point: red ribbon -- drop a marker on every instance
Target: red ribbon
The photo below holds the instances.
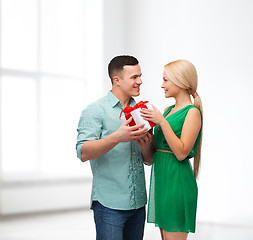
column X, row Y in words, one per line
column 129, row 109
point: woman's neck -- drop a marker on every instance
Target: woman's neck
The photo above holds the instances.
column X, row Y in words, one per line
column 182, row 100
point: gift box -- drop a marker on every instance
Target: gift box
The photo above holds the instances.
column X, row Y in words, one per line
column 135, row 113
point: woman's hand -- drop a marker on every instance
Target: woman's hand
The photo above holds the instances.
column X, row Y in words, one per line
column 146, row 145
column 146, row 141
column 154, row 116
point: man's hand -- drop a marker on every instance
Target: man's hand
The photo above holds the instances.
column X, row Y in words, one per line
column 94, row 149
column 128, row 134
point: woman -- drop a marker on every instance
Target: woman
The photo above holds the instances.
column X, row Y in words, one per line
column 173, row 188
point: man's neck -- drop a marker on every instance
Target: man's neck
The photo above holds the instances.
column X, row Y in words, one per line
column 125, row 100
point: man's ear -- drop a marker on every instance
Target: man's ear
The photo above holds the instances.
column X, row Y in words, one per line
column 116, row 80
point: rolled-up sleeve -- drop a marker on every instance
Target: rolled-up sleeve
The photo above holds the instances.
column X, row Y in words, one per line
column 89, row 127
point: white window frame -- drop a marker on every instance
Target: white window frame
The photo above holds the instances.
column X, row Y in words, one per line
column 95, row 52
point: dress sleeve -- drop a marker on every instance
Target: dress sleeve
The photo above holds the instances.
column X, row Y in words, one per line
column 89, row 127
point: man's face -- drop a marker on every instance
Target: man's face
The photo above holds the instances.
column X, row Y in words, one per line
column 130, row 80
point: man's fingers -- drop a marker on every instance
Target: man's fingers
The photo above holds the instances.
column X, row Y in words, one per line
column 128, row 121
column 136, row 127
column 140, row 132
column 151, row 131
column 140, row 141
column 140, row 138
column 148, row 135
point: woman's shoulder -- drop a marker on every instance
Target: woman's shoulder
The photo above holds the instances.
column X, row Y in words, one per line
column 193, row 110
column 166, row 109
column 193, row 114
column 169, row 107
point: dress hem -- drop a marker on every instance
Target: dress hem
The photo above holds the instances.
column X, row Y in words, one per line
column 157, row 225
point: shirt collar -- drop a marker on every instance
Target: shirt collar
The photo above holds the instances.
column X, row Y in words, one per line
column 114, row 100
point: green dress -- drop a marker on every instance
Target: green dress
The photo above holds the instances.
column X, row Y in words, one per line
column 173, row 188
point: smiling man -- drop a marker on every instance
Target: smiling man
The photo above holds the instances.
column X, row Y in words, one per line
column 118, row 195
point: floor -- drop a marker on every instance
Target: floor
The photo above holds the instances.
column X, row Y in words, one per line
column 78, row 225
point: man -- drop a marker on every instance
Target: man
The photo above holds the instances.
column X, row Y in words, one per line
column 118, row 196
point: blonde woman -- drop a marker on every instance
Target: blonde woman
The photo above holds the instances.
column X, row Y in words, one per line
column 173, row 190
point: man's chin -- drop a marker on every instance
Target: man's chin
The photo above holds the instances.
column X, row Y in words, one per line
column 136, row 94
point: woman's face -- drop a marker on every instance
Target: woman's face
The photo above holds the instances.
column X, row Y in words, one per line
column 170, row 88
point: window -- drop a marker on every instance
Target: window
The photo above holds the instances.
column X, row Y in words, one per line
column 48, row 51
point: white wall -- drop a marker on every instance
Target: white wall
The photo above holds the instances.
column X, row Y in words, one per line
column 217, row 37
column 114, row 33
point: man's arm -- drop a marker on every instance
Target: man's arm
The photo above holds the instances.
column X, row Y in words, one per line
column 96, row 148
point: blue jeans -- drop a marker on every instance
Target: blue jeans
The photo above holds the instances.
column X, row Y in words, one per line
column 118, row 224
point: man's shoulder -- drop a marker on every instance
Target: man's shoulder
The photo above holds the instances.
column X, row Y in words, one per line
column 101, row 103
column 96, row 106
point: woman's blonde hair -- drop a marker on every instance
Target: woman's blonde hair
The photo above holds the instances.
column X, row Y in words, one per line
column 184, row 74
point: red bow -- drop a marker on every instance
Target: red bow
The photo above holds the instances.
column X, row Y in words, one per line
column 129, row 109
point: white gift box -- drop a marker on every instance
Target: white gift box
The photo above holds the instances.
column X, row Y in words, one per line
column 137, row 118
